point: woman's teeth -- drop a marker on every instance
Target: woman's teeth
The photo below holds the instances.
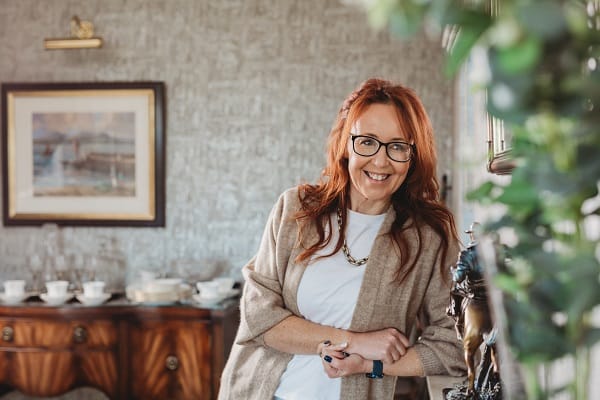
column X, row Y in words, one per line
column 377, row 177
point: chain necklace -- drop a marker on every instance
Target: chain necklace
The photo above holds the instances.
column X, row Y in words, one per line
column 345, row 249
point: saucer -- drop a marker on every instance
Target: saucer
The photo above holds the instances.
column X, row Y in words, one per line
column 93, row 301
column 56, row 300
column 136, row 293
column 208, row 300
column 14, row 299
column 230, row 293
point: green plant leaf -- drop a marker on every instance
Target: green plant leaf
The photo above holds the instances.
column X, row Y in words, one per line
column 542, row 18
column 406, row 19
column 472, row 25
column 520, row 57
column 519, row 195
column 482, row 192
column 591, row 337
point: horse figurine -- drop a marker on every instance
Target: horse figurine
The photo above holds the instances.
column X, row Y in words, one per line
column 469, row 307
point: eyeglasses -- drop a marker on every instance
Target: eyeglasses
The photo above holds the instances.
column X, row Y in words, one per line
column 368, row 146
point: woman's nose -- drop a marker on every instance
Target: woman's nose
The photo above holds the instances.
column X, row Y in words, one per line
column 381, row 158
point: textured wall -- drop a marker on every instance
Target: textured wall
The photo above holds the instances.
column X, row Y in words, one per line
column 252, row 90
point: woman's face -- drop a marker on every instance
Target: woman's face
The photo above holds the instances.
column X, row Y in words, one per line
column 375, row 178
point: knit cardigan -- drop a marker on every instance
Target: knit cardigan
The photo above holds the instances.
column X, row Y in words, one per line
column 272, row 277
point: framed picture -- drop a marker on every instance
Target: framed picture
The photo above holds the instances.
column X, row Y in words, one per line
column 83, row 154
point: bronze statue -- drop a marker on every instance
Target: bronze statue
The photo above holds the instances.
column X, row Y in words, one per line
column 474, row 326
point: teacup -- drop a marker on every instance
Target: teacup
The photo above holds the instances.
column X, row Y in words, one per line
column 163, row 285
column 14, row 288
column 146, row 276
column 225, row 284
column 93, row 289
column 57, row 288
column 208, row 289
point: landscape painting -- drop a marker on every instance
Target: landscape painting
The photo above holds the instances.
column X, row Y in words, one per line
column 83, row 153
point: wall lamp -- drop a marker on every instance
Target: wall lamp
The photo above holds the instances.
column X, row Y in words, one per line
column 82, row 37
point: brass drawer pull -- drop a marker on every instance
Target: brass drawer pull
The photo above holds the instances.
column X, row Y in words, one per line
column 79, row 334
column 172, row 363
column 8, row 334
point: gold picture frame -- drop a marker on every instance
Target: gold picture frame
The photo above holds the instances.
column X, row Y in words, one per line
column 83, row 153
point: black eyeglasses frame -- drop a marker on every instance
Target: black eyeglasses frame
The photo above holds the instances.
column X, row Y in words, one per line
column 384, row 144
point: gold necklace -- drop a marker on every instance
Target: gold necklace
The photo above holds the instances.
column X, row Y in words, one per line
column 345, row 248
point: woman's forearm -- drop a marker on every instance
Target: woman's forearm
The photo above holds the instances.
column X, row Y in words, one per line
column 408, row 365
column 296, row 335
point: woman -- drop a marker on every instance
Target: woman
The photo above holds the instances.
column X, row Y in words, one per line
column 346, row 266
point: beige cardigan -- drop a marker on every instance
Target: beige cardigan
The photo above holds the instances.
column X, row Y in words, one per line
column 272, row 278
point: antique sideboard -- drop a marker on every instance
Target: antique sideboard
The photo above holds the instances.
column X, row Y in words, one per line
column 125, row 350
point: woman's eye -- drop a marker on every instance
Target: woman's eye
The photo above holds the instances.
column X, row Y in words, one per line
column 398, row 146
column 367, row 142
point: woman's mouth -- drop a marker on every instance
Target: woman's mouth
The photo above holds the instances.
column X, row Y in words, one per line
column 377, row 177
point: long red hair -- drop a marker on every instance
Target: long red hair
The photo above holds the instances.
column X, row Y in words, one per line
column 416, row 199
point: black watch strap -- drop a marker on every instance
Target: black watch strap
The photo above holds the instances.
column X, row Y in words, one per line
column 377, row 372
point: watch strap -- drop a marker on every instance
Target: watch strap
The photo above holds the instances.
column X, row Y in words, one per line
column 377, row 372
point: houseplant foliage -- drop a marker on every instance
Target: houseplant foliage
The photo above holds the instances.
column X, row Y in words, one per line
column 544, row 83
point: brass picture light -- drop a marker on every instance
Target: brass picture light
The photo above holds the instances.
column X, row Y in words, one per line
column 82, row 37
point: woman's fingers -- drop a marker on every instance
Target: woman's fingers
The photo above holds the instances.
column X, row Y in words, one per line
column 338, row 367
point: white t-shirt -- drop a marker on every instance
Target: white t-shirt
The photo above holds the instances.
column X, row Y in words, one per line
column 327, row 295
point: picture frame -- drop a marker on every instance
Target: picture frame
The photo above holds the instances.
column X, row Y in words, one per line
column 83, row 153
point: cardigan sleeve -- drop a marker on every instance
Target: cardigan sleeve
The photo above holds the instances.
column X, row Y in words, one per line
column 438, row 347
column 262, row 305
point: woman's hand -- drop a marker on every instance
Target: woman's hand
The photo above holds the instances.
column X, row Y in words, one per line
column 387, row 345
column 338, row 363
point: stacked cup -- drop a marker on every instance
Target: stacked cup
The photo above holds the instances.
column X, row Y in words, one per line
column 14, row 291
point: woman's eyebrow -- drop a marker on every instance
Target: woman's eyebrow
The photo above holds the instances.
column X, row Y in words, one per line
column 376, row 136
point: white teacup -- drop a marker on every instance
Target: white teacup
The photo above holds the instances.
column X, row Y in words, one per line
column 93, row 289
column 163, row 285
column 14, row 288
column 57, row 288
column 225, row 284
column 146, row 276
column 209, row 289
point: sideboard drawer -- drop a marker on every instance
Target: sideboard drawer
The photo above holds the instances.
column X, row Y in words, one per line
column 57, row 334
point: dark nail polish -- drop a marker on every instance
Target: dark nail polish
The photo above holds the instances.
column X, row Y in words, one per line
column 327, row 358
column 345, row 354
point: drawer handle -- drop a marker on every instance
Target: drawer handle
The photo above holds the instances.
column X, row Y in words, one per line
column 172, row 363
column 79, row 334
column 8, row 334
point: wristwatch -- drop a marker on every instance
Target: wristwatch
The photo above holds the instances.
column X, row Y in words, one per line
column 377, row 372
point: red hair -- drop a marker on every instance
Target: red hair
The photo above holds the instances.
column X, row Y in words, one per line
column 418, row 196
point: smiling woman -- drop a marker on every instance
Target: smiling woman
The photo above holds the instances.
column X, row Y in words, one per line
column 346, row 266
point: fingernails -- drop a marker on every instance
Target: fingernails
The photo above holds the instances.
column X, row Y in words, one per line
column 345, row 354
column 327, row 359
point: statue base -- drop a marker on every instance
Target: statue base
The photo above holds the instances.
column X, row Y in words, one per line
column 459, row 392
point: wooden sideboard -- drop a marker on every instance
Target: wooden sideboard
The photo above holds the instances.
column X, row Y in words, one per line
column 126, row 351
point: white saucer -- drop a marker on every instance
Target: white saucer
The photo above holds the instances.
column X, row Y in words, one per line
column 93, row 301
column 56, row 300
column 13, row 299
column 231, row 293
column 208, row 300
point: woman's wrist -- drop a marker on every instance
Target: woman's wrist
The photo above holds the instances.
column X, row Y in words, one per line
column 367, row 366
column 352, row 342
